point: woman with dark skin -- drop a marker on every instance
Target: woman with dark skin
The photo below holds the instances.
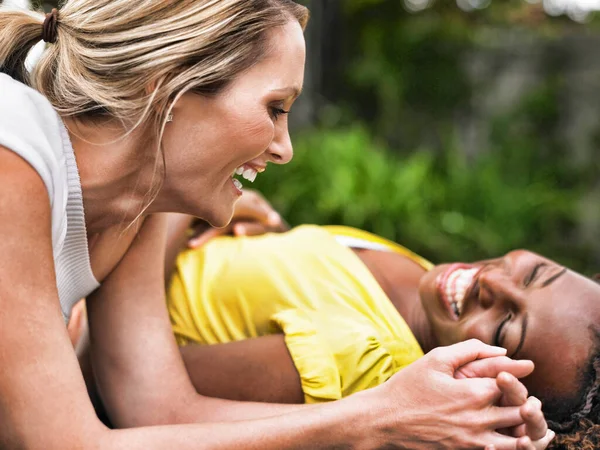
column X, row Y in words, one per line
column 535, row 308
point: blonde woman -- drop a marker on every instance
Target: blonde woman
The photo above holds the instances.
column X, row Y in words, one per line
column 149, row 106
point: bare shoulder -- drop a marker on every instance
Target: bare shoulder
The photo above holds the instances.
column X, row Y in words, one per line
column 35, row 346
column 25, row 227
column 19, row 179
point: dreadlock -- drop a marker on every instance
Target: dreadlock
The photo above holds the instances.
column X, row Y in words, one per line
column 579, row 429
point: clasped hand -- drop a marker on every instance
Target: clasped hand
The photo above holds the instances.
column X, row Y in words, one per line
column 465, row 396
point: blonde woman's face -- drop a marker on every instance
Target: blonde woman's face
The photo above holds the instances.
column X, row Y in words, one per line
column 244, row 127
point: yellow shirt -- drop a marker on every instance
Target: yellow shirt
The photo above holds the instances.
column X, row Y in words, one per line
column 342, row 331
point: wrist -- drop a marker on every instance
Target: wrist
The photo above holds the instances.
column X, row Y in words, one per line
column 374, row 422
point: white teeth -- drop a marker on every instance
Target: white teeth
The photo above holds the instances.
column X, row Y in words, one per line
column 237, row 183
column 250, row 175
column 246, row 172
column 456, row 287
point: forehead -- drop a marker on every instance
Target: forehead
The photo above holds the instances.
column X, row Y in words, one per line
column 559, row 334
column 286, row 39
column 282, row 65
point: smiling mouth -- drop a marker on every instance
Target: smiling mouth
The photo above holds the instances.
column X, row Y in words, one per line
column 247, row 173
column 453, row 284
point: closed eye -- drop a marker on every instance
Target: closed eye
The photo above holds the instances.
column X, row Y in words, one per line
column 276, row 112
column 498, row 337
column 533, row 274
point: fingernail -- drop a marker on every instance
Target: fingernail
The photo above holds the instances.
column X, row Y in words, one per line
column 274, row 219
column 193, row 243
column 490, row 447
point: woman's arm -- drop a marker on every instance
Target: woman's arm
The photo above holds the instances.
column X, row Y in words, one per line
column 257, row 370
column 43, row 400
column 41, row 388
column 139, row 371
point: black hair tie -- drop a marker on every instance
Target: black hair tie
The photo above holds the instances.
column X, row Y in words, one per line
column 50, row 27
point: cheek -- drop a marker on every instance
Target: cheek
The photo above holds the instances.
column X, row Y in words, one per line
column 449, row 333
column 428, row 286
column 255, row 133
column 477, row 329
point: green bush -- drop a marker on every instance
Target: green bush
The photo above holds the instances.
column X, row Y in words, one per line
column 445, row 208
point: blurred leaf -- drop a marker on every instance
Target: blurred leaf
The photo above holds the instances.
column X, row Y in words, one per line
column 446, row 208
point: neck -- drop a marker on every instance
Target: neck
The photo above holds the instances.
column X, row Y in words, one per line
column 115, row 174
column 399, row 278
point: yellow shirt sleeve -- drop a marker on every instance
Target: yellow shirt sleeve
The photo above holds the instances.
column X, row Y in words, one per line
column 338, row 355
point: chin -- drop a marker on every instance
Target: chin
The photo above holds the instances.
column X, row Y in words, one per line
column 219, row 219
column 215, row 210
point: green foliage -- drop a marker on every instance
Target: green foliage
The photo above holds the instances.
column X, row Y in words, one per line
column 406, row 78
column 447, row 209
column 403, row 73
column 406, row 75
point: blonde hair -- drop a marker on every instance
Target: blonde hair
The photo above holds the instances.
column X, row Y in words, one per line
column 108, row 53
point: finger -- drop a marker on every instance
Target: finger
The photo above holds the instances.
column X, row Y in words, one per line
column 514, row 393
column 497, row 441
column 524, row 443
column 197, row 228
column 460, row 354
column 481, row 390
column 261, row 213
column 543, row 443
column 253, row 206
column 203, row 238
column 492, row 367
column 274, row 220
column 518, row 431
column 534, row 419
column 284, row 226
column 249, row 229
column 500, row 417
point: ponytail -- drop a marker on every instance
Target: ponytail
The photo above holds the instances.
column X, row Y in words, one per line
column 19, row 32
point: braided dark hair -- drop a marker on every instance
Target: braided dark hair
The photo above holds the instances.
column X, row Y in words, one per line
column 579, row 428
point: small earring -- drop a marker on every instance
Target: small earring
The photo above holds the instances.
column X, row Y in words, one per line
column 170, row 118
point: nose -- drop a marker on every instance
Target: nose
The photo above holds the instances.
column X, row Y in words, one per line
column 487, row 288
column 497, row 288
column 281, row 151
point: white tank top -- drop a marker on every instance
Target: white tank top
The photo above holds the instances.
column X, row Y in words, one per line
column 30, row 127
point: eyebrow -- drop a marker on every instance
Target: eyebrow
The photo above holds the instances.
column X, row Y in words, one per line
column 523, row 334
column 553, row 278
column 294, row 90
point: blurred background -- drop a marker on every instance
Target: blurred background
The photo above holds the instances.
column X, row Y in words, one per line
column 459, row 128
